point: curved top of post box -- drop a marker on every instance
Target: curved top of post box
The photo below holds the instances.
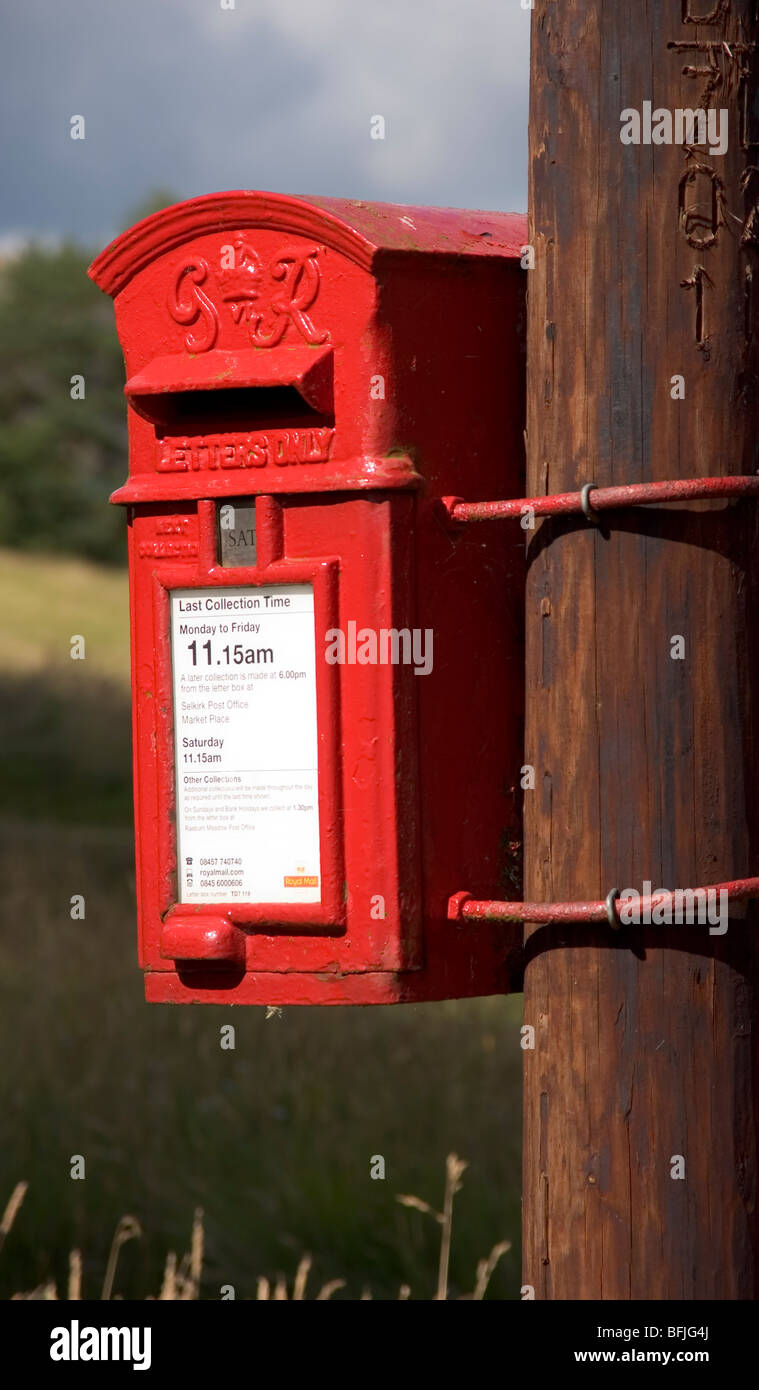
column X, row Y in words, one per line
column 357, row 229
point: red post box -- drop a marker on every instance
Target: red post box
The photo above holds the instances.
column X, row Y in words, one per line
column 327, row 675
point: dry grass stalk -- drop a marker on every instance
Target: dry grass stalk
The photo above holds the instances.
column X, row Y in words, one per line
column 169, row 1286
column 184, row 1278
column 11, row 1211
column 301, row 1276
column 196, row 1252
column 182, row 1281
column 326, row 1291
column 454, row 1167
column 418, row 1205
column 47, row 1292
column 486, row 1268
column 128, row 1229
column 263, row 1287
column 75, row 1275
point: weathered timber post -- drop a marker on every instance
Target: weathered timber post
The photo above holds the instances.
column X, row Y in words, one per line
column 640, row 1160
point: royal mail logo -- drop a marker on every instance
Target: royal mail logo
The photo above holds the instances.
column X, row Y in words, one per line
column 279, row 447
column 270, row 300
column 301, row 881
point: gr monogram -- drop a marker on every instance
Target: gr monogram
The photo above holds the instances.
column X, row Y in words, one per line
column 268, row 301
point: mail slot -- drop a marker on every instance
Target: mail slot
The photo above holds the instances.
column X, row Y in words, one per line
column 327, row 675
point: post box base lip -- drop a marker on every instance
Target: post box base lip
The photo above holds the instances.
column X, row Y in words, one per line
column 289, row 988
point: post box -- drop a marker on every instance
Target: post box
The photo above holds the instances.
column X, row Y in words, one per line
column 327, row 675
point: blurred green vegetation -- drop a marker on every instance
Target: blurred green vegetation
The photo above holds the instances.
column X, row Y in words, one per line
column 61, row 456
column 49, row 600
column 66, row 724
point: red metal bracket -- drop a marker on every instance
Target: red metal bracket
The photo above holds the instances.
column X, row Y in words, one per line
column 463, row 907
column 603, row 498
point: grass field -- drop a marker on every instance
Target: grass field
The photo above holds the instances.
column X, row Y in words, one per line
column 47, row 602
column 65, row 724
column 274, row 1139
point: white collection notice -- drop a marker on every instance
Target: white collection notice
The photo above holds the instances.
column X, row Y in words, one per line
column 245, row 744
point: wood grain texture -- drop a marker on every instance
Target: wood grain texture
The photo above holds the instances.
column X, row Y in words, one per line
column 646, row 767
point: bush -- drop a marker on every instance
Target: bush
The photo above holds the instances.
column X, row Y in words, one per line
column 60, row 458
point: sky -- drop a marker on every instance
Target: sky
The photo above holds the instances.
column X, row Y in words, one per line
column 192, row 96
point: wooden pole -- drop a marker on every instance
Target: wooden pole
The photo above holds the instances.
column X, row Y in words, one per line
column 640, row 1158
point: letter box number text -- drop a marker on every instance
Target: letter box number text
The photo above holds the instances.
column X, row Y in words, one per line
column 245, row 744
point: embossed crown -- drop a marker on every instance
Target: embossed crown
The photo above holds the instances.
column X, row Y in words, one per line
column 241, row 283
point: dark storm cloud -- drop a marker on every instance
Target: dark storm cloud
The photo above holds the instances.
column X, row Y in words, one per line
column 183, row 95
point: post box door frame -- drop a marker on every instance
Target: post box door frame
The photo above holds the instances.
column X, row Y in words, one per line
column 327, row 917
